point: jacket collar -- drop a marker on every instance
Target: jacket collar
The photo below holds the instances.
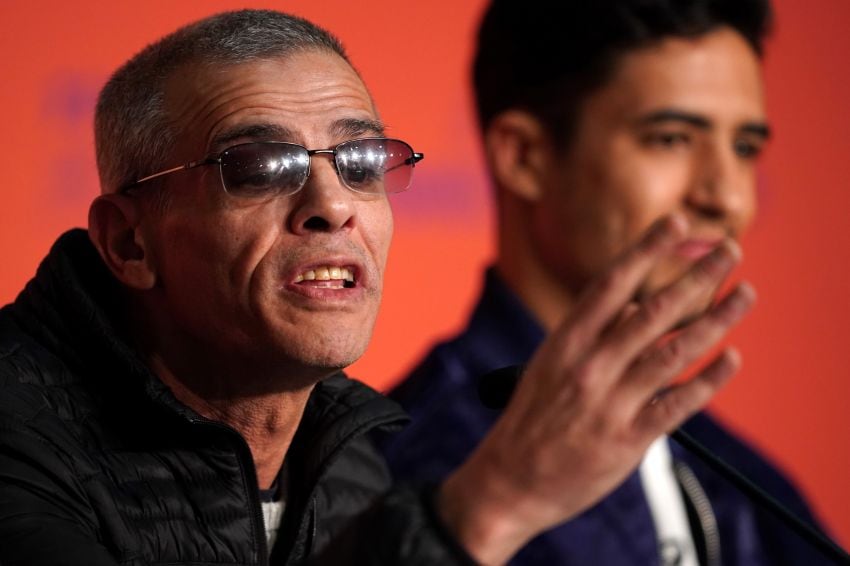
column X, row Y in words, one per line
column 72, row 307
column 501, row 331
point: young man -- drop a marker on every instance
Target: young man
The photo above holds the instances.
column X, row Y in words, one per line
column 599, row 118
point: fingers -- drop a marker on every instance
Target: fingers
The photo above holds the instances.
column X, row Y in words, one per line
column 601, row 340
column 604, row 300
column 655, row 370
column 661, row 312
column 678, row 403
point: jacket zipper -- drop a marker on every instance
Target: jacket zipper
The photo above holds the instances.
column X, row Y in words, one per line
column 704, row 513
column 311, row 513
column 249, row 476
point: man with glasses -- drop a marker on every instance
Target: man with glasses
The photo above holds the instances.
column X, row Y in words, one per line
column 171, row 386
column 599, row 118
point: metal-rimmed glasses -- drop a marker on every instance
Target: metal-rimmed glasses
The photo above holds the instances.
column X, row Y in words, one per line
column 372, row 166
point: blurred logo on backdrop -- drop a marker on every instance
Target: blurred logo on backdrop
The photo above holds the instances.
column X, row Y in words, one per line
column 67, row 108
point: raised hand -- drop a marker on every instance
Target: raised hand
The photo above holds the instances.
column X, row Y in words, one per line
column 594, row 396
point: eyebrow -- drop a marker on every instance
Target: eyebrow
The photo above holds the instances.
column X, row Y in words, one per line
column 757, row 128
column 344, row 128
column 355, row 127
column 255, row 132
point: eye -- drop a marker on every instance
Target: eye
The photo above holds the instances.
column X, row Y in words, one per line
column 747, row 149
column 257, row 169
column 258, row 182
column 362, row 167
column 250, row 177
column 358, row 174
column 666, row 139
column 249, row 181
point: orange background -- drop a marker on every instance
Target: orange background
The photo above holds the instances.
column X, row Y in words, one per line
column 791, row 397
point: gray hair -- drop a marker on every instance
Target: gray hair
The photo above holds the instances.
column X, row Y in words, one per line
column 133, row 136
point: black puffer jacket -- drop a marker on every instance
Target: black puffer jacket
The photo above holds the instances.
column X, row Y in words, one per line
column 100, row 464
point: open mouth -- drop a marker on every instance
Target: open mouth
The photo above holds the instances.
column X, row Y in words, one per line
column 327, row 277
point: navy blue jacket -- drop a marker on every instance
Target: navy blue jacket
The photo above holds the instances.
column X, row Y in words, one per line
column 449, row 421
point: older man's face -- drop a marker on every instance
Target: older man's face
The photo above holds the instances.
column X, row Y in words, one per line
column 677, row 128
column 229, row 269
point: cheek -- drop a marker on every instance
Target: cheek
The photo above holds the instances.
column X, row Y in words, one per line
column 603, row 207
column 753, row 192
column 218, row 259
column 644, row 187
column 603, row 204
column 377, row 228
column 654, row 196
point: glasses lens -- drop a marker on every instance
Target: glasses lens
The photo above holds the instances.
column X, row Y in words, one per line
column 375, row 165
column 262, row 169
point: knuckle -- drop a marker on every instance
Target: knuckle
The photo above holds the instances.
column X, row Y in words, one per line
column 727, row 313
column 721, row 317
column 703, row 272
column 653, row 309
column 681, row 404
column 672, row 410
column 584, row 376
column 670, row 356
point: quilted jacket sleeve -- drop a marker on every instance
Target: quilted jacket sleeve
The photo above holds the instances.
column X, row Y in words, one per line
column 42, row 517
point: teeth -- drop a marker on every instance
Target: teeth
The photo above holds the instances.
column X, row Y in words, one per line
column 329, row 273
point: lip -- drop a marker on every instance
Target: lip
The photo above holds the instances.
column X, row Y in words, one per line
column 696, row 248
column 325, row 294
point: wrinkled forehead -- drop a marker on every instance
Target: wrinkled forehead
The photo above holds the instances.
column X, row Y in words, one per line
column 302, row 93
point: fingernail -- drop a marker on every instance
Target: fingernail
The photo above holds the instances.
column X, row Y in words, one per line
column 747, row 289
column 727, row 254
column 734, row 249
column 745, row 295
column 738, row 302
column 733, row 357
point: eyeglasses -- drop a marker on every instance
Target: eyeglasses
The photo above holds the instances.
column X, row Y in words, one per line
column 373, row 166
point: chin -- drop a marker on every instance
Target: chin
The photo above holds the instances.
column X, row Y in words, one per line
column 316, row 345
column 327, row 353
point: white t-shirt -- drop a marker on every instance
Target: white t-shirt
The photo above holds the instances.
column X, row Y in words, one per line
column 272, row 516
column 669, row 514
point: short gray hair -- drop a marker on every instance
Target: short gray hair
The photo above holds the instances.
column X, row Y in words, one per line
column 133, row 136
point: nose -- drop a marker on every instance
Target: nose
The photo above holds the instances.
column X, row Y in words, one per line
column 723, row 186
column 323, row 204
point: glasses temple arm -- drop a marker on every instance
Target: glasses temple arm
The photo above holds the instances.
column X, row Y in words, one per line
column 190, row 165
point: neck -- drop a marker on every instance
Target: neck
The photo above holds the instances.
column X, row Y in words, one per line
column 267, row 422
column 524, row 271
column 262, row 398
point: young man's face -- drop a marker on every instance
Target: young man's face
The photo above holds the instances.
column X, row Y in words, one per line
column 678, row 127
column 233, row 271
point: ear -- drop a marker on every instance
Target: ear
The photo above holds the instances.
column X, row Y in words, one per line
column 518, row 150
column 115, row 230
